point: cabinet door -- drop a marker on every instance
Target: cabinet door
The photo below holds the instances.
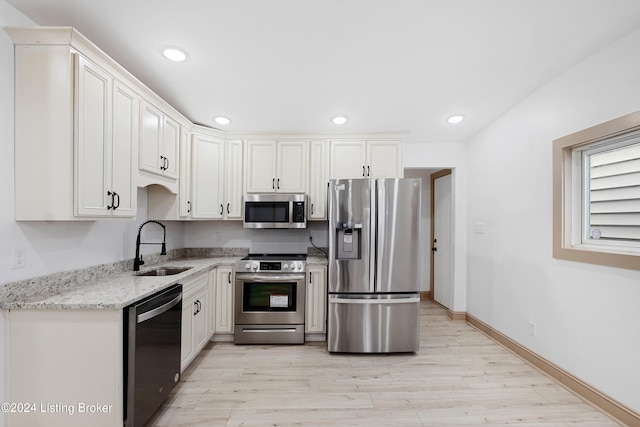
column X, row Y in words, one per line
column 199, row 324
column 224, row 300
column 316, row 300
column 261, row 167
column 348, row 159
column 207, row 175
column 318, row 180
column 211, row 311
column 384, row 159
column 151, row 138
column 170, row 146
column 93, row 146
column 186, row 341
column 233, row 194
column 124, row 142
column 291, row 163
column 185, row 204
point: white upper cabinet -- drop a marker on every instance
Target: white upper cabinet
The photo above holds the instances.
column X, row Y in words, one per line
column 348, row 159
column 106, row 137
column 207, row 177
column 276, row 166
column 384, row 159
column 318, row 180
column 210, row 184
column 159, row 142
column 366, row 159
column 185, row 206
column 233, row 178
column 124, row 144
column 292, row 167
column 83, row 148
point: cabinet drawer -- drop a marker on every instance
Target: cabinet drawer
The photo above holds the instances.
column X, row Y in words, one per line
column 192, row 286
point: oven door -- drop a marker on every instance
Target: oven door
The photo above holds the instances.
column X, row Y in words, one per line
column 269, row 299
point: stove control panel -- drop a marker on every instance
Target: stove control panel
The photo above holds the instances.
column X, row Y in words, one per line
column 284, row 266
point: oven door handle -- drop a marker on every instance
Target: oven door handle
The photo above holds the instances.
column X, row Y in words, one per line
column 269, row 277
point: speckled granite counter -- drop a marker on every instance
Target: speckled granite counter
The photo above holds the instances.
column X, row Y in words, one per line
column 115, row 286
column 110, row 286
column 119, row 290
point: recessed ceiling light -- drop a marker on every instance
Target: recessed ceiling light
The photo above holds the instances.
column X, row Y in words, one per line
column 222, row 120
column 339, row 120
column 455, row 119
column 174, row 54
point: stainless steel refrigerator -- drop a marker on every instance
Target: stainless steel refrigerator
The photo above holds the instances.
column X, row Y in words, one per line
column 374, row 265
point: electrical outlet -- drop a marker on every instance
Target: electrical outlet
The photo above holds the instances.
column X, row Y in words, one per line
column 312, row 236
column 217, row 236
column 532, row 329
column 19, row 256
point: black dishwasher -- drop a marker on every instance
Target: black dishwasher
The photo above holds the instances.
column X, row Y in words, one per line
column 152, row 334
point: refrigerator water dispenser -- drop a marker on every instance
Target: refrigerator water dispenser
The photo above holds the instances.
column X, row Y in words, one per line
column 348, row 240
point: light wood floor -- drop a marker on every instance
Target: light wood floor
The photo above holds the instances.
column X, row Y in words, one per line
column 459, row 377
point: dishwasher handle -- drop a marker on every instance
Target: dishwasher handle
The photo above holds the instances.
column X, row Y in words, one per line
column 155, row 312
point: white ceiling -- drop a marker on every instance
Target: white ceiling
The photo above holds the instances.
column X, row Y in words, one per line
column 290, row 65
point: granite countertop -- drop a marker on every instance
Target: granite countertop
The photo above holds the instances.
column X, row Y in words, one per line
column 118, row 290
column 113, row 287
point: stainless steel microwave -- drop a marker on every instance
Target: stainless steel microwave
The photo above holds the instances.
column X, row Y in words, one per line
column 275, row 211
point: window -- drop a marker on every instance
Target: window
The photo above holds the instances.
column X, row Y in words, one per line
column 596, row 194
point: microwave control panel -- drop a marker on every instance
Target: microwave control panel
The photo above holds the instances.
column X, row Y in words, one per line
column 298, row 212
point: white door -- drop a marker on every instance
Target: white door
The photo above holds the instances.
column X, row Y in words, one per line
column 384, row 159
column 291, row 176
column 93, row 155
column 150, row 139
column 347, row 159
column 441, row 243
column 261, row 167
column 233, row 180
column 207, row 172
column 125, row 141
column 318, row 180
column 170, row 146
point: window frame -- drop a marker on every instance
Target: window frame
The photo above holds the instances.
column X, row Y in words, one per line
column 567, row 195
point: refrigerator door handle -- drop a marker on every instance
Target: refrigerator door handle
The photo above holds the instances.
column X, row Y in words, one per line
column 373, row 232
column 339, row 300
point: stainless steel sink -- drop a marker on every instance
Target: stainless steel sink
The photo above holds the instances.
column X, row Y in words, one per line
column 163, row 271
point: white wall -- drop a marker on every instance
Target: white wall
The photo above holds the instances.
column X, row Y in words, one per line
column 587, row 316
column 454, row 156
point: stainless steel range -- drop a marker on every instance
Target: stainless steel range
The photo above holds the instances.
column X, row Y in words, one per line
column 270, row 298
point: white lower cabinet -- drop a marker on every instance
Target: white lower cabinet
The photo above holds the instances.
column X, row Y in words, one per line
column 315, row 310
column 66, row 358
column 224, row 301
column 195, row 307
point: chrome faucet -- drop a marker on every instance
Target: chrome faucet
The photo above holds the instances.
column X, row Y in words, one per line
column 137, row 261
